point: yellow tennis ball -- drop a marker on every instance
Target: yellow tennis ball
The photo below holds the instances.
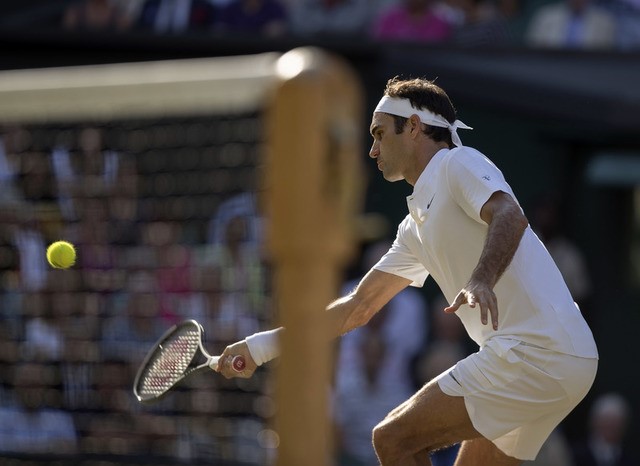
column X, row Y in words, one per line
column 61, row 255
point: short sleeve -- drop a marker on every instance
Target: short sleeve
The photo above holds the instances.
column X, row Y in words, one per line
column 472, row 178
column 399, row 260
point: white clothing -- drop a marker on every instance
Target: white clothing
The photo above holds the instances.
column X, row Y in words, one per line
column 518, row 397
column 34, row 432
column 556, row 26
column 32, row 251
column 443, row 236
column 41, row 338
column 540, row 363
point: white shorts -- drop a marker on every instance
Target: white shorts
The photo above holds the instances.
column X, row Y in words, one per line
column 516, row 393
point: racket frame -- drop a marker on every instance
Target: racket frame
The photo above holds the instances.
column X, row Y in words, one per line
column 238, row 362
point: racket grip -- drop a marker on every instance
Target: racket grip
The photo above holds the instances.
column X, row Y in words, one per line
column 238, row 363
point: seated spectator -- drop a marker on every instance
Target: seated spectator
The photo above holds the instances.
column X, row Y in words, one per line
column 608, row 421
column 28, row 240
column 627, row 14
column 571, row 24
column 35, row 178
column 240, row 205
column 265, row 17
column 176, row 16
column 412, row 20
column 487, row 23
column 97, row 15
column 333, row 17
column 34, row 423
column 234, row 297
column 130, row 333
column 115, row 429
column 363, row 401
column 570, row 259
column 240, row 282
column 402, row 324
column 555, row 451
column 43, row 338
column 89, row 172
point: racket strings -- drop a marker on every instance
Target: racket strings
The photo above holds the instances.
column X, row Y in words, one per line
column 170, row 362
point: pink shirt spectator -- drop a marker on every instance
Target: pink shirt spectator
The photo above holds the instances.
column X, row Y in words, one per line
column 398, row 23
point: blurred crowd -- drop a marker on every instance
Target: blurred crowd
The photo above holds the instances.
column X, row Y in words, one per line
column 571, row 24
column 165, row 222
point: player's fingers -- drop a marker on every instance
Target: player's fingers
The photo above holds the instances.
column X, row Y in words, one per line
column 489, row 306
column 455, row 305
column 225, row 366
column 484, row 311
column 494, row 312
column 218, row 367
column 224, row 363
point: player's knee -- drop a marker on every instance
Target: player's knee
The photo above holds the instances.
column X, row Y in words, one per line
column 392, row 442
column 380, row 439
column 386, row 442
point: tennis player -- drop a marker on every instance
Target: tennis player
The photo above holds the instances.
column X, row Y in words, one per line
column 537, row 357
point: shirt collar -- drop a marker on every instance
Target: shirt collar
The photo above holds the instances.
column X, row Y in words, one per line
column 429, row 170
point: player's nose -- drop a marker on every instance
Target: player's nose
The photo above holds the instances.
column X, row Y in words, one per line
column 375, row 150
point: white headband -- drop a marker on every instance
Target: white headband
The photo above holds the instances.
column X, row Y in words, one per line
column 403, row 108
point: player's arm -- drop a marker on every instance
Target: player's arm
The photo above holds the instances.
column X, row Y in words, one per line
column 507, row 224
column 344, row 314
column 356, row 308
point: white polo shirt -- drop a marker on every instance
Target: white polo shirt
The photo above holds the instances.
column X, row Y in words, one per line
column 443, row 236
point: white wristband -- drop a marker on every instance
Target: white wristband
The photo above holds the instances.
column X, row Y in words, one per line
column 263, row 346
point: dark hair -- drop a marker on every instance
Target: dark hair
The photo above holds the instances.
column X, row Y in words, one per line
column 424, row 95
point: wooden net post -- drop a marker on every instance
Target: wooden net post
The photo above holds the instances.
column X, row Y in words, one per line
column 315, row 186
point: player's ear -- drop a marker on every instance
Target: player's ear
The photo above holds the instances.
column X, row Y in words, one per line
column 415, row 125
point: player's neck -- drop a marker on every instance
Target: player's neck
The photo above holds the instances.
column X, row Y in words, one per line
column 422, row 158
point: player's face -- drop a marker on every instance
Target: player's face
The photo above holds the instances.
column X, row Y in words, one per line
column 388, row 149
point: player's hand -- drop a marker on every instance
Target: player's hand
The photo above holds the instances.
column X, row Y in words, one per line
column 481, row 294
column 225, row 362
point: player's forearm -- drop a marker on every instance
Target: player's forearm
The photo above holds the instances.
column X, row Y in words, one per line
column 503, row 238
column 346, row 314
column 358, row 307
column 265, row 346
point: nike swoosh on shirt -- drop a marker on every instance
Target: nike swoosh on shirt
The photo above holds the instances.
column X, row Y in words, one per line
column 429, row 204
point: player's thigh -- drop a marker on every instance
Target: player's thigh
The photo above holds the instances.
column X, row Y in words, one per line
column 430, row 419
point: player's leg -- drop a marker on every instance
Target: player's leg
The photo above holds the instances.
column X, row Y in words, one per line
column 481, row 452
column 427, row 421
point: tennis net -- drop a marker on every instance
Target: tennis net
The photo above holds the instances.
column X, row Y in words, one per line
column 174, row 181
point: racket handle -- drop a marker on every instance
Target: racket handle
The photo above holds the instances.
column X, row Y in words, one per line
column 213, row 362
column 238, row 363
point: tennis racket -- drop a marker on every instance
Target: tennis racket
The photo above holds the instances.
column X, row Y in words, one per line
column 172, row 359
